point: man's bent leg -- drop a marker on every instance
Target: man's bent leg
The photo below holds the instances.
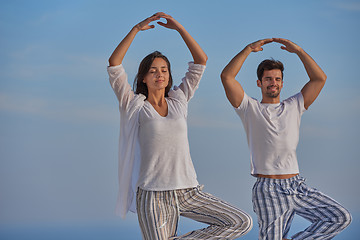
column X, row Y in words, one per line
column 327, row 216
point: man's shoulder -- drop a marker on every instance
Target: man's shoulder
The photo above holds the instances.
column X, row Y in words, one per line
column 294, row 98
column 250, row 99
column 247, row 101
column 296, row 102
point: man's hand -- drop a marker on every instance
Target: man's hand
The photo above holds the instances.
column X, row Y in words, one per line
column 288, row 45
column 317, row 77
column 233, row 89
column 257, row 46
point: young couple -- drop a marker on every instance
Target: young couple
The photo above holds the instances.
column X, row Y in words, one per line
column 157, row 178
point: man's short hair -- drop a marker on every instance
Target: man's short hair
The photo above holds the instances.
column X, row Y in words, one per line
column 269, row 64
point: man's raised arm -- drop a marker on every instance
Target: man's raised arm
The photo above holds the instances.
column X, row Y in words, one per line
column 312, row 89
column 233, row 89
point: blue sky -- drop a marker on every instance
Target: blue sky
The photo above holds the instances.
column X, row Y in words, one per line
column 59, row 118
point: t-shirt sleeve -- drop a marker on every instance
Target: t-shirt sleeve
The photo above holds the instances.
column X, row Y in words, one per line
column 297, row 101
column 301, row 103
column 243, row 105
column 190, row 82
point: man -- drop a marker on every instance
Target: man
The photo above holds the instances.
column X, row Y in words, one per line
column 272, row 129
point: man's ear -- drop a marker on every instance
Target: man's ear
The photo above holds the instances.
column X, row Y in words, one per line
column 259, row 83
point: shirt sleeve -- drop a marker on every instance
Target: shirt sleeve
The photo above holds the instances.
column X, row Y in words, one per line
column 301, row 103
column 297, row 101
column 243, row 105
column 119, row 83
column 191, row 80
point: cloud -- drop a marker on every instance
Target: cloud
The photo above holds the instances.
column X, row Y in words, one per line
column 44, row 62
column 67, row 111
column 16, row 104
column 349, row 6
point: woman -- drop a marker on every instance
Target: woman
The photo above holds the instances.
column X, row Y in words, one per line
column 154, row 156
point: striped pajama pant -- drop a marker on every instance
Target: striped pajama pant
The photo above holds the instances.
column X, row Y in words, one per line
column 276, row 201
column 159, row 213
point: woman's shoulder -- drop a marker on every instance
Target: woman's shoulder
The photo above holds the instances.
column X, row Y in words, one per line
column 177, row 94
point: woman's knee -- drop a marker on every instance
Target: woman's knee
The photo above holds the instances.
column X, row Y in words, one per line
column 244, row 223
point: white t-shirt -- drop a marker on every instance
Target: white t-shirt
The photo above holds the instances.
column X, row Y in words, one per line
column 165, row 155
column 272, row 133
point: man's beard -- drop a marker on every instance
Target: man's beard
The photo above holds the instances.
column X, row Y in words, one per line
column 273, row 94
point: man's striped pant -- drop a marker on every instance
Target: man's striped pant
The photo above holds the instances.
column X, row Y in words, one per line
column 276, row 201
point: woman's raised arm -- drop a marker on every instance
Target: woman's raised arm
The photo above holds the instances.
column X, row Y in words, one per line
column 197, row 53
column 117, row 56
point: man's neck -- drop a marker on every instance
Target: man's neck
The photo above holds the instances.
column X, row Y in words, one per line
column 271, row 100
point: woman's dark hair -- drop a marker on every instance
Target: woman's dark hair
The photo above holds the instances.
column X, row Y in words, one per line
column 269, row 64
column 144, row 67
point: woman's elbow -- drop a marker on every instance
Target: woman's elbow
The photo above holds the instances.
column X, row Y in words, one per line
column 202, row 60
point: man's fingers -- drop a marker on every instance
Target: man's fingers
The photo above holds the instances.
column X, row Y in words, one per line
column 267, row 40
column 279, row 39
column 282, row 41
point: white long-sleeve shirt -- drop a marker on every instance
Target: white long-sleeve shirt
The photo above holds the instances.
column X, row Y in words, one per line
column 131, row 107
column 165, row 155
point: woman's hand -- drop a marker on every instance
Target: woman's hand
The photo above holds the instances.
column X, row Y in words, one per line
column 118, row 55
column 144, row 25
column 171, row 23
column 197, row 53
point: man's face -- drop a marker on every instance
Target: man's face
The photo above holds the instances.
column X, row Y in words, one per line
column 271, row 83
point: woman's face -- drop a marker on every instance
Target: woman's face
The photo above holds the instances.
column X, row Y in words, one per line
column 157, row 77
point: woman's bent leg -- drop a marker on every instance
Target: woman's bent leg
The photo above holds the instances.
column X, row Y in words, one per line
column 225, row 220
column 157, row 214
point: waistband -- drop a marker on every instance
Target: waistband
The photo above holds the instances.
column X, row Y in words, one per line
column 198, row 187
column 280, row 181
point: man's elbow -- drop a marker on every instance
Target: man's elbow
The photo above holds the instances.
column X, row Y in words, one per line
column 224, row 76
column 324, row 78
column 320, row 79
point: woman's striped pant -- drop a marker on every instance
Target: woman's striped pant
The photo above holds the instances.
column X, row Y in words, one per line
column 276, row 201
column 159, row 212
